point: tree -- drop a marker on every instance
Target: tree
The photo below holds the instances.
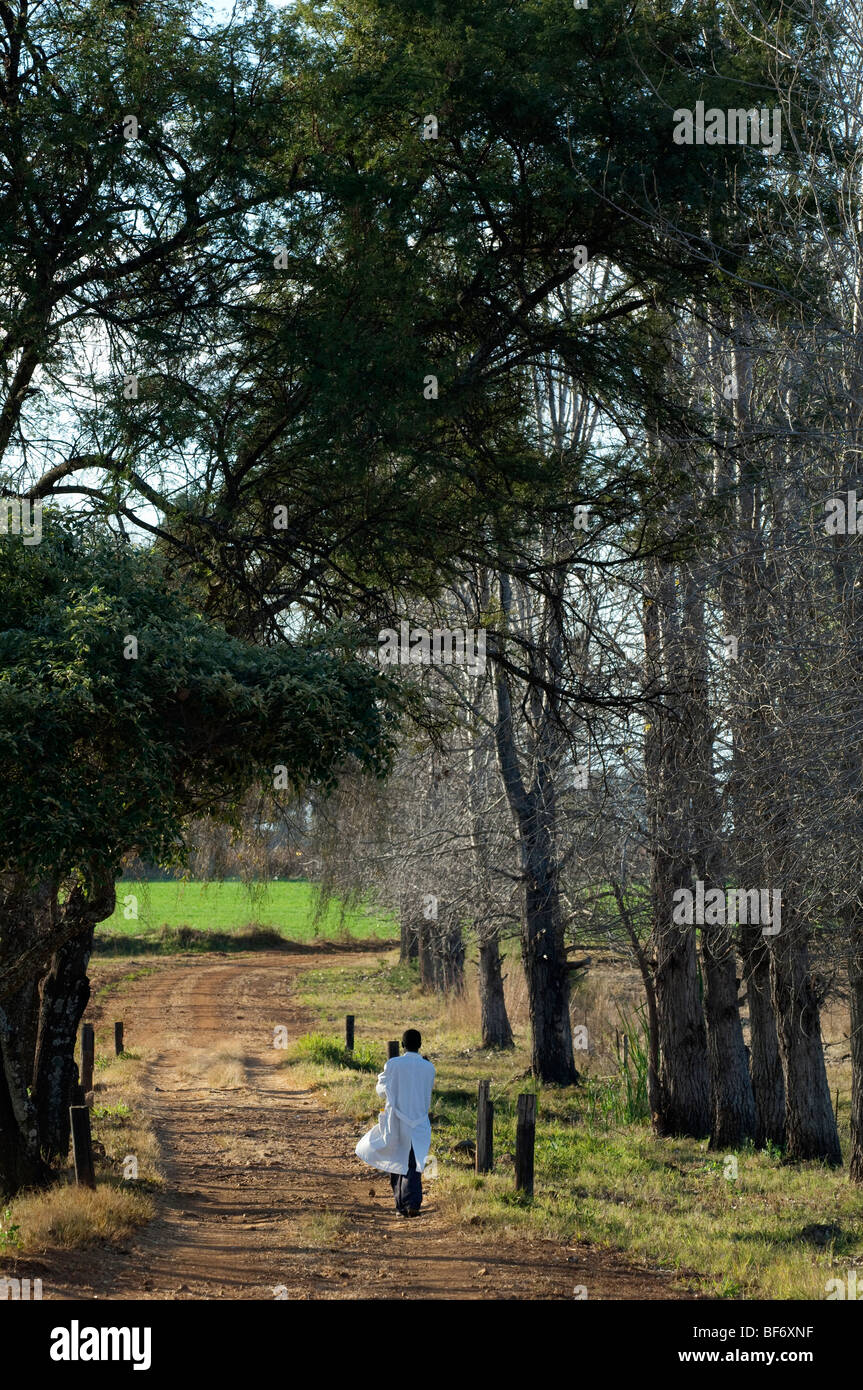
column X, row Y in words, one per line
column 122, row 714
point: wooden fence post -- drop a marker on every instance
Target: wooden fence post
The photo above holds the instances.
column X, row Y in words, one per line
column 392, row 1049
column 118, row 1038
column 525, row 1135
column 82, row 1145
column 484, row 1130
column 88, row 1056
column 349, row 1033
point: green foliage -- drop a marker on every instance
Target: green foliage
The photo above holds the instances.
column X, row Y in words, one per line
column 119, row 1112
column 10, row 1233
column 104, row 754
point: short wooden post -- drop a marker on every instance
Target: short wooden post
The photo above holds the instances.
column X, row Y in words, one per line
column 484, row 1130
column 392, row 1048
column 525, row 1135
column 118, row 1039
column 82, row 1146
column 88, row 1056
column 349, row 1032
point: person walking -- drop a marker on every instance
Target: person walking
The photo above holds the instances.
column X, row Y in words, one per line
column 400, row 1141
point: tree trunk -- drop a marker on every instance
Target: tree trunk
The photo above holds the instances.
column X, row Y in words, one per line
column 25, row 918
column 545, row 965
column 732, row 1100
column 684, row 1085
column 684, row 1079
column 64, row 995
column 543, row 948
column 408, row 937
column 449, row 943
column 765, row 1063
column 496, row 1030
column 38, row 1028
column 425, row 954
column 810, row 1123
column 20, row 1164
column 855, row 978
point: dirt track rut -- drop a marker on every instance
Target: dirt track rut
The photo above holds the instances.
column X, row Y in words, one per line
column 249, row 1159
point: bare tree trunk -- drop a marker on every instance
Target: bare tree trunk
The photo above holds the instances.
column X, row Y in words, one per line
column 765, row 1063
column 810, row 1125
column 496, row 1030
column 425, row 954
column 542, row 937
column 684, row 1079
column 684, row 1090
column 855, row 976
column 451, row 952
column 733, row 1103
column 408, row 936
column 545, row 965
column 731, row 1098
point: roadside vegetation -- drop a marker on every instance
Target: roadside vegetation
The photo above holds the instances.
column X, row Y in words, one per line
column 774, row 1231
column 68, row 1217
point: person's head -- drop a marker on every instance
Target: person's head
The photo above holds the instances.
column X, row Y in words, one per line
column 411, row 1040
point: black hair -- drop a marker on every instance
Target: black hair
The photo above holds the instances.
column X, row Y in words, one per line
column 411, row 1040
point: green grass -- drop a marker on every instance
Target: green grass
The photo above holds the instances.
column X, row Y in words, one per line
column 169, row 915
column 776, row 1231
column 329, row 1052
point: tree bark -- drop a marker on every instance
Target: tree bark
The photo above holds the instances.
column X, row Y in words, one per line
column 425, row 954
column 545, row 966
column 496, row 1030
column 65, row 992
column 732, row 1100
column 543, row 947
column 449, row 949
column 855, row 976
column 408, row 937
column 810, row 1124
column 684, row 1083
column 765, row 1063
column 38, row 1026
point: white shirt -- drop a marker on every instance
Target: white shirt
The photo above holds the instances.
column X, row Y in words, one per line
column 406, row 1084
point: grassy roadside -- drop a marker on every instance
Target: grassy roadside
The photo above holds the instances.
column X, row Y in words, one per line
column 126, row 1162
column 773, row 1231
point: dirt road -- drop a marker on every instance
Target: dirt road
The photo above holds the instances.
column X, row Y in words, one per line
column 265, row 1197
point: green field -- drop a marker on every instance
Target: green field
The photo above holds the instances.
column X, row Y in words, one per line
column 289, row 908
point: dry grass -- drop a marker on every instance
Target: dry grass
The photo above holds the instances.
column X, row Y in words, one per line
column 118, row 1121
column 319, row 1230
column 219, row 1069
column 69, row 1217
column 776, row 1231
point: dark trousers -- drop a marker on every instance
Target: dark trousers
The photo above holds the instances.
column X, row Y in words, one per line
column 408, row 1187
